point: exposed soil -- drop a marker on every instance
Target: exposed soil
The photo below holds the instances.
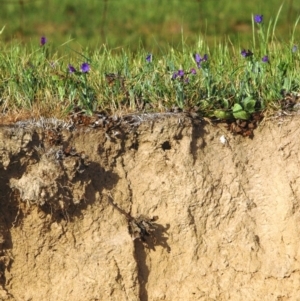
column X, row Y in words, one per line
column 153, row 208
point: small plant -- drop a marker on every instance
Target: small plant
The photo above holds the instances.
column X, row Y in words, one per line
column 78, row 81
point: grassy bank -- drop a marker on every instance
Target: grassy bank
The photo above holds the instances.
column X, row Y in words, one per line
column 224, row 82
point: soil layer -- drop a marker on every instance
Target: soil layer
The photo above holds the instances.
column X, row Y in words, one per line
column 166, row 208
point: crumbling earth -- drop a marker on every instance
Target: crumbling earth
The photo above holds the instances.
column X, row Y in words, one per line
column 150, row 208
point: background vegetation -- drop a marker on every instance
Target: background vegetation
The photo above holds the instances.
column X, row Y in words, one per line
column 156, row 24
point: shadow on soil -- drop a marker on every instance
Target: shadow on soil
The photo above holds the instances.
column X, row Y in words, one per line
column 13, row 209
column 141, row 252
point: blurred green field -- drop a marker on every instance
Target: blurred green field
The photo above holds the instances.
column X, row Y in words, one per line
column 152, row 24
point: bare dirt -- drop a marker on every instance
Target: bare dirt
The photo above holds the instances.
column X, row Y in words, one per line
column 159, row 210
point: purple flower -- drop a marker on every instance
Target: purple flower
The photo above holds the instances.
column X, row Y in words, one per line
column 193, row 71
column 85, row 67
column 258, row 19
column 179, row 73
column 43, row 41
column 265, row 59
column 149, row 58
column 294, row 48
column 199, row 59
column 246, row 53
column 71, row 69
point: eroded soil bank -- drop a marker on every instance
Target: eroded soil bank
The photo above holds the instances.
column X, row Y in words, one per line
column 71, row 202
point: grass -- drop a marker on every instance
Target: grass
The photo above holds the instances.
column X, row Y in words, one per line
column 220, row 82
column 156, row 24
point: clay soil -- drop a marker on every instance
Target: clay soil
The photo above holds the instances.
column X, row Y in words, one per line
column 158, row 209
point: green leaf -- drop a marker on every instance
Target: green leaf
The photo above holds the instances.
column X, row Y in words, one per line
column 239, row 113
column 220, row 114
column 249, row 104
column 237, row 107
column 226, row 103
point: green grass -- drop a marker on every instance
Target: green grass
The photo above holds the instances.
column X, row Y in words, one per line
column 156, row 24
column 36, row 79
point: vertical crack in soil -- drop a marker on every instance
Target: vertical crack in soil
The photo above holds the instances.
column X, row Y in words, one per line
column 145, row 234
column 140, row 257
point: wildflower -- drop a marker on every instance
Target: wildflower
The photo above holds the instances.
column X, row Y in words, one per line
column 258, row 19
column 265, row 59
column 85, row 67
column 71, row 69
column 149, row 58
column 246, row 53
column 199, row 59
column 294, row 48
column 43, row 41
column 179, row 73
column 193, row 71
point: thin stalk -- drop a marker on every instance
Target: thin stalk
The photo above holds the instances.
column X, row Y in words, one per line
column 293, row 32
column 275, row 23
column 253, row 32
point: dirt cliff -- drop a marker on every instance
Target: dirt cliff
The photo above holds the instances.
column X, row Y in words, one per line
column 153, row 208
